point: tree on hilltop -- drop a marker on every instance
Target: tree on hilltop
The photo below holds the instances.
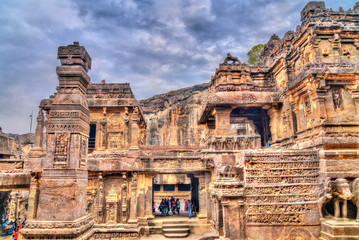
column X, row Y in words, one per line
column 254, row 53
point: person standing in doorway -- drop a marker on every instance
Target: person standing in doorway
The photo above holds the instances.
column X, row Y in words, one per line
column 189, row 206
column 163, row 207
column 178, row 206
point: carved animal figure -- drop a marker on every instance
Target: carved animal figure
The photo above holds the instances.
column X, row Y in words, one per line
column 341, row 193
column 231, row 58
column 325, row 197
column 355, row 191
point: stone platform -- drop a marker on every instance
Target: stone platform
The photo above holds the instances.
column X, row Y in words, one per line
column 339, row 230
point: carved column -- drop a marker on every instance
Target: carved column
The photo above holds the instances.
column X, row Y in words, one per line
column 148, row 196
column 13, row 205
column 33, row 198
column 101, row 197
column 134, row 129
column 274, row 119
column 202, row 197
column 226, row 214
column 124, row 199
column 39, row 129
column 222, row 116
column 355, row 94
column 208, row 195
column 242, row 222
column 141, row 185
column 133, row 204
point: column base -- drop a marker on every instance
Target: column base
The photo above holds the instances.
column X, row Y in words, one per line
column 58, row 229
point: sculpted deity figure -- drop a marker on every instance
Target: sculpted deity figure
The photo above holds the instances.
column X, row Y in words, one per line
column 337, row 99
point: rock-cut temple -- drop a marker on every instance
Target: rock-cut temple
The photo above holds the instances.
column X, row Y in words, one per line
column 264, row 152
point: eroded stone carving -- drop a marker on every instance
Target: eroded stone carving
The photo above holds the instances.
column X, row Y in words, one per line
column 341, row 194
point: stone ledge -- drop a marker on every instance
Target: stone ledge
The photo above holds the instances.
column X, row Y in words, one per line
column 58, row 228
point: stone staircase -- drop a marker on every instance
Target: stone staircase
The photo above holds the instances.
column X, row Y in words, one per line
column 339, row 230
column 178, row 229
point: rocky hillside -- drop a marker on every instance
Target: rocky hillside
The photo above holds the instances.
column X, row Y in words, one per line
column 15, row 145
column 172, row 117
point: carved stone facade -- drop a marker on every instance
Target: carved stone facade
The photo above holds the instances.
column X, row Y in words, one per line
column 269, row 151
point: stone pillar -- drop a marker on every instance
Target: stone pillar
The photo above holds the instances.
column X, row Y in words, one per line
column 64, row 175
column 202, row 197
column 13, row 206
column 208, row 195
column 355, row 94
column 39, row 132
column 134, row 129
column 274, row 119
column 101, row 198
column 141, row 185
column 133, row 204
column 222, row 116
column 226, row 214
column 148, row 196
column 124, row 199
column 33, row 198
column 242, row 222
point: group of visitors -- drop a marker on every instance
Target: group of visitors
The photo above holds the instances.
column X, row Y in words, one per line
column 172, row 205
column 12, row 227
column 167, row 205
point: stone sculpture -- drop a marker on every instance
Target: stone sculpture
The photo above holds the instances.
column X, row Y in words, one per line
column 355, row 199
column 341, row 194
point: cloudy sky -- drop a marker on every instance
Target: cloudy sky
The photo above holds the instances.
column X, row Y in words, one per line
column 155, row 45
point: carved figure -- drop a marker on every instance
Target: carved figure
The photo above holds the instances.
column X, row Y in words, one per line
column 355, row 191
column 231, row 58
column 337, row 99
column 325, row 197
column 341, row 193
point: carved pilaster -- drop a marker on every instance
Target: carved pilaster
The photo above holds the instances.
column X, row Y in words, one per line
column 133, row 204
column 101, row 197
column 39, row 129
column 33, row 198
column 134, row 129
column 226, row 214
column 124, row 198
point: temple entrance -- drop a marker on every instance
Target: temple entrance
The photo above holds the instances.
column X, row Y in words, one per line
column 251, row 121
column 183, row 187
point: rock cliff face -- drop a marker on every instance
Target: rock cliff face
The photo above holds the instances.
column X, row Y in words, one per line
column 172, row 117
column 15, row 145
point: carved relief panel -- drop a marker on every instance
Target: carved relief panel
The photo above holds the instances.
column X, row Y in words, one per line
column 282, row 188
column 61, row 153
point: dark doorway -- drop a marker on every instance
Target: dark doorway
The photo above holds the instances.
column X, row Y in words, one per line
column 179, row 186
column 250, row 121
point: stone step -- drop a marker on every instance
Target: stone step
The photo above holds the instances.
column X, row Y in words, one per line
column 327, row 236
column 174, row 230
column 176, row 235
column 175, row 226
column 339, row 229
column 169, row 222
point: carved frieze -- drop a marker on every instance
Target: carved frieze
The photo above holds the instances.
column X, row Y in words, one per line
column 282, row 188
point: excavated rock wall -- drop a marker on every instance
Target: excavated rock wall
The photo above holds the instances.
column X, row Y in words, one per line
column 172, row 118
